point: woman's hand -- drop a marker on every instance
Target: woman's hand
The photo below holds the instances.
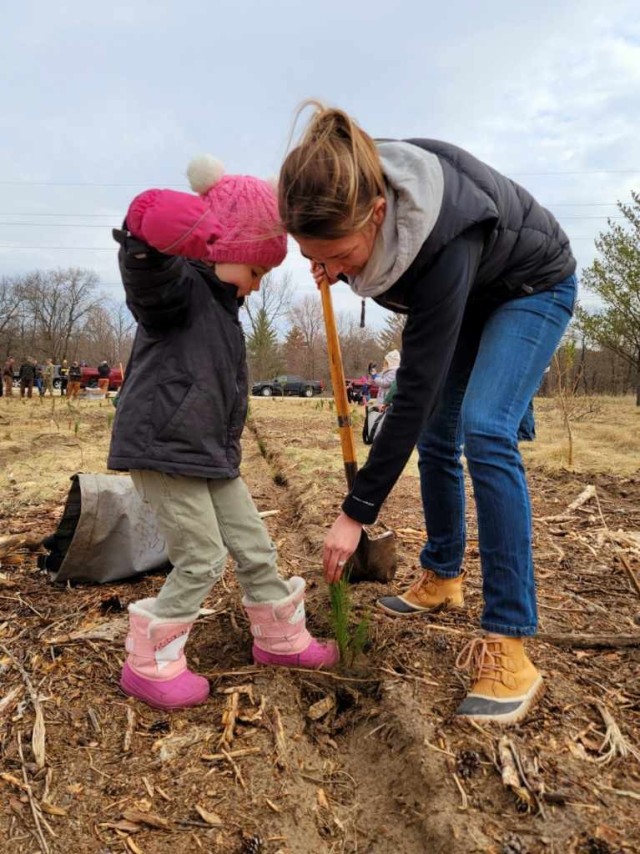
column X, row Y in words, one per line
column 319, row 273
column 340, row 543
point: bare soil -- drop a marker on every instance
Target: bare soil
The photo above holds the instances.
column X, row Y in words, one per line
column 386, row 769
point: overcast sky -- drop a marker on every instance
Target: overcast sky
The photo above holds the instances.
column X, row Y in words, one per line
column 103, row 100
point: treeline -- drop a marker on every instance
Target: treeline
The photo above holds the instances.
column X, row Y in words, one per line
column 60, row 314
column 579, row 370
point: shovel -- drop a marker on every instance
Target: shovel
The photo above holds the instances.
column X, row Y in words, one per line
column 375, row 558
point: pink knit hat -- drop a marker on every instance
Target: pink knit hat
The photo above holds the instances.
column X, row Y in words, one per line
column 233, row 220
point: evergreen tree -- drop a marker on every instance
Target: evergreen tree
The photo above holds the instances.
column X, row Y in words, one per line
column 263, row 350
column 615, row 278
column 390, row 336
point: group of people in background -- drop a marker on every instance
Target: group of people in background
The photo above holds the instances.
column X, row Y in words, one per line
column 32, row 375
column 377, row 387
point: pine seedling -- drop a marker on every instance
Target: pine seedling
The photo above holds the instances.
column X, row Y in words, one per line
column 351, row 640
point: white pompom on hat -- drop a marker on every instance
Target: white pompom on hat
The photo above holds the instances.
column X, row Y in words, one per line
column 204, row 172
column 248, row 228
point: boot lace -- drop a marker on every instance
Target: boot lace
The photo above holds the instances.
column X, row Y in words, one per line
column 426, row 582
column 480, row 661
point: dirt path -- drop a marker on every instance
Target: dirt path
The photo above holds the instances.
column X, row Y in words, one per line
column 386, row 769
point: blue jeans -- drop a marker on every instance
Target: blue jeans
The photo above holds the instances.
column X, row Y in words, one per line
column 498, row 365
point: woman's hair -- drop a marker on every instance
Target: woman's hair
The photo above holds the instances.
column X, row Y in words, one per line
column 329, row 182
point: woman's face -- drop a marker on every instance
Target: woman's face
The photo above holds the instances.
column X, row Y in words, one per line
column 348, row 255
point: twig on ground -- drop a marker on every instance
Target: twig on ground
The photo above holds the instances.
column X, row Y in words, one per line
column 281, row 744
column 587, row 494
column 131, row 725
column 465, row 800
column 38, row 735
column 229, row 716
column 236, row 769
column 615, row 743
column 509, row 772
column 34, row 810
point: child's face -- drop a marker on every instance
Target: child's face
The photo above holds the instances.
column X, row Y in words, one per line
column 246, row 277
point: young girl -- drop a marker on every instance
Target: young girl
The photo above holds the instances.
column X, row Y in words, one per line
column 486, row 278
column 385, row 379
column 180, row 415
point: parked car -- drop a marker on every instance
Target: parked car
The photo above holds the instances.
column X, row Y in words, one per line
column 90, row 378
column 287, row 385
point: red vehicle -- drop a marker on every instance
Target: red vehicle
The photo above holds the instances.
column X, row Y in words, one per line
column 90, row 378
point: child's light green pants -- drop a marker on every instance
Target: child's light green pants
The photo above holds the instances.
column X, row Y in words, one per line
column 203, row 520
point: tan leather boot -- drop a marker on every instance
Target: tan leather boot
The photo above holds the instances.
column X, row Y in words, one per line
column 505, row 682
column 430, row 592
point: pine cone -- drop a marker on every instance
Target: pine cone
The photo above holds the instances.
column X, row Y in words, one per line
column 252, row 845
column 513, row 845
column 597, row 846
column 467, row 763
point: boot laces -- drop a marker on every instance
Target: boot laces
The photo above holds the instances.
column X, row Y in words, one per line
column 426, row 582
column 480, row 660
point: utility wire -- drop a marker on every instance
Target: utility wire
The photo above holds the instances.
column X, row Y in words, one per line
column 106, row 226
column 545, row 204
column 180, row 186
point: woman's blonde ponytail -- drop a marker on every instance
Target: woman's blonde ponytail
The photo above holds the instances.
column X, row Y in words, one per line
column 330, row 181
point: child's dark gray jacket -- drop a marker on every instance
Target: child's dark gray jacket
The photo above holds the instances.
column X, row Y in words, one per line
column 183, row 403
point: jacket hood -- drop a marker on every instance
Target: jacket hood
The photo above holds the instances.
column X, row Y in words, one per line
column 415, row 188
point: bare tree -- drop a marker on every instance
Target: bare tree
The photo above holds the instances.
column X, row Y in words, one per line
column 10, row 305
column 59, row 301
column 107, row 334
column 306, row 315
column 272, row 303
column 358, row 345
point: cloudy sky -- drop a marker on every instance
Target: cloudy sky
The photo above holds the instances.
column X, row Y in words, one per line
column 103, row 100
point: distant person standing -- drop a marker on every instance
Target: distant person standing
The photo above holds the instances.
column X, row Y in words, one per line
column 48, row 374
column 104, row 372
column 39, row 379
column 74, row 377
column 7, row 377
column 64, row 377
column 27, row 377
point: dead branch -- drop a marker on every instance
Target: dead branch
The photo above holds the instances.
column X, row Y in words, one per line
column 587, row 494
column 604, row 641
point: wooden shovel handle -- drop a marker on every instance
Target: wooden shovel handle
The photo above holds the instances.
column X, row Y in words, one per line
column 339, row 386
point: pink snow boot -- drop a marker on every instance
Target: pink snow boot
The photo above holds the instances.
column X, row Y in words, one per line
column 280, row 632
column 156, row 669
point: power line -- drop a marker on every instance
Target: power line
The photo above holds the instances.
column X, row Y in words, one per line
column 181, row 186
column 545, row 204
column 106, row 226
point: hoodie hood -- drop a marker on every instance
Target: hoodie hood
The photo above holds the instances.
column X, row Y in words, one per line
column 415, row 187
column 393, row 359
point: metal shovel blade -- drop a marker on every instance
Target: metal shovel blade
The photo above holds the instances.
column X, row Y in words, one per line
column 374, row 560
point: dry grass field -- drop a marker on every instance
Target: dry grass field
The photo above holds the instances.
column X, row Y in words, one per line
column 385, row 768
